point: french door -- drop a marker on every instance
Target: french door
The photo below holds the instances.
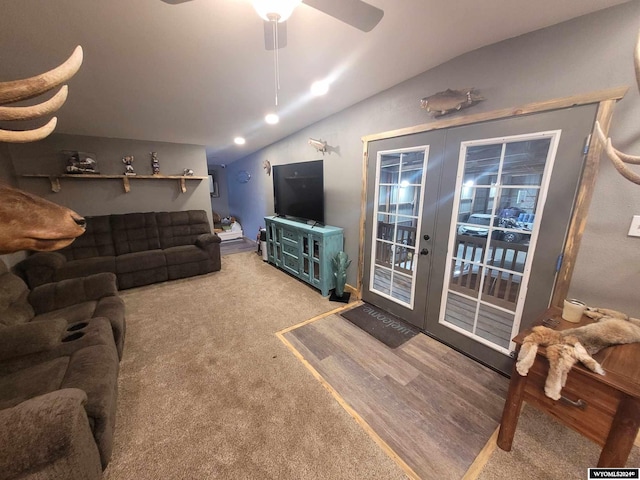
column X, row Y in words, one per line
column 465, row 225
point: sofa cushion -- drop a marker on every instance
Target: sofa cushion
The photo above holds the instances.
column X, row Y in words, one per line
column 133, row 262
column 141, row 268
column 73, row 291
column 84, row 267
column 31, row 382
column 71, row 338
column 14, row 307
column 95, row 370
column 185, row 254
column 49, row 437
column 134, row 232
column 181, row 228
column 31, row 337
column 72, row 313
column 113, row 309
column 96, row 241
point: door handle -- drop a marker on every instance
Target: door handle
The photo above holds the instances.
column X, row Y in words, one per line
column 424, row 251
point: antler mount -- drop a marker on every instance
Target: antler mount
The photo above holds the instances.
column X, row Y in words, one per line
column 618, row 158
column 17, row 90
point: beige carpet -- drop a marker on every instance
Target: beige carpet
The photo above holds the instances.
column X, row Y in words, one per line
column 207, row 390
column 543, row 449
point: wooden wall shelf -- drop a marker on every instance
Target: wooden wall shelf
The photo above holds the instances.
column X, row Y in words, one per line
column 55, row 179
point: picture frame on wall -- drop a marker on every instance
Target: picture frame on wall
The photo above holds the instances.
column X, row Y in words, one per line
column 213, row 187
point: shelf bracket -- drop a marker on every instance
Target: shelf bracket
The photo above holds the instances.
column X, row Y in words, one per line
column 125, row 184
column 55, row 184
column 183, row 185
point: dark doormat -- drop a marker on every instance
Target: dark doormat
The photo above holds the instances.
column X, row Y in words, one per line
column 382, row 325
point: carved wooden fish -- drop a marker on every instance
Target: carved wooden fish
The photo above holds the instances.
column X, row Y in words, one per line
column 449, row 101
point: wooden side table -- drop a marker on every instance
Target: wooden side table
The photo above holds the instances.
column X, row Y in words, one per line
column 603, row 408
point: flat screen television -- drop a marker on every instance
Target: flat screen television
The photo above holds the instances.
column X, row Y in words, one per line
column 298, row 190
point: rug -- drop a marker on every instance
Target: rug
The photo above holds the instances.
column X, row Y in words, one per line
column 389, row 329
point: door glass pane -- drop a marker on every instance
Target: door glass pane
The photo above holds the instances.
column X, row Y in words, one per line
column 386, row 227
column 388, row 196
column 399, row 196
column 483, row 164
column 498, row 199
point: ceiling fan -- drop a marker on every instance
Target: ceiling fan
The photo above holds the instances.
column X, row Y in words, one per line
column 356, row 13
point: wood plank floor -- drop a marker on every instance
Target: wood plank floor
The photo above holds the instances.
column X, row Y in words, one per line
column 432, row 407
column 239, row 245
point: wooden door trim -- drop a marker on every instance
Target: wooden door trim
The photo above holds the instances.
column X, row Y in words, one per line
column 606, row 100
column 527, row 109
column 584, row 195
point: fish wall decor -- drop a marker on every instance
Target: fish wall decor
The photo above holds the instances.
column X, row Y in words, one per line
column 449, row 101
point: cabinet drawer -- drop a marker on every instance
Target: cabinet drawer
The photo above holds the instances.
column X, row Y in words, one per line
column 291, row 249
column 290, row 235
column 291, row 263
column 598, row 401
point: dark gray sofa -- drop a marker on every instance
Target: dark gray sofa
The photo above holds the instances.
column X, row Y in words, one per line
column 60, row 346
column 140, row 248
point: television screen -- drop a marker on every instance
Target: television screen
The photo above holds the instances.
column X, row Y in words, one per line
column 298, row 190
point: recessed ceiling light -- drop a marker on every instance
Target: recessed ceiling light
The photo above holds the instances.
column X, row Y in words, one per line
column 239, row 141
column 321, row 87
column 272, row 119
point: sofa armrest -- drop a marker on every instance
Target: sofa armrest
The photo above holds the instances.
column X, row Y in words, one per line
column 72, row 291
column 48, row 437
column 40, row 268
column 206, row 239
column 30, row 337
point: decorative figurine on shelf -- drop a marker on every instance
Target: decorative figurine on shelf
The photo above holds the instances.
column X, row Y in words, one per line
column 155, row 164
column 128, row 161
column 340, row 264
column 187, row 172
column 80, row 162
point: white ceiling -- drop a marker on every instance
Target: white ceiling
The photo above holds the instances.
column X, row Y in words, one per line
column 198, row 73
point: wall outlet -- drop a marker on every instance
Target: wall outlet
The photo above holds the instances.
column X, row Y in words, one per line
column 634, row 229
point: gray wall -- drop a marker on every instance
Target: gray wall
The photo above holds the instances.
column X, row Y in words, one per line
column 101, row 197
column 590, row 53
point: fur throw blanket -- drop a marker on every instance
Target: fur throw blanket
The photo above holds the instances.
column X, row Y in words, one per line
column 567, row 347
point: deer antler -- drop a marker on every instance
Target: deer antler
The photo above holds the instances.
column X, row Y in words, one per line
column 17, row 90
column 617, row 157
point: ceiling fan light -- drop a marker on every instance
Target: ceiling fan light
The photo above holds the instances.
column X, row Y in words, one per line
column 279, row 10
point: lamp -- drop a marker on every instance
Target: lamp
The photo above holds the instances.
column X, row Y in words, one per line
column 275, row 10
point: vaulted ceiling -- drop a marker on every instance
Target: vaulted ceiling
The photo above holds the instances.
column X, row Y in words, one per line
column 199, row 73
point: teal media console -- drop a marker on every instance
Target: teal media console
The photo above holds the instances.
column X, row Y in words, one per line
column 304, row 251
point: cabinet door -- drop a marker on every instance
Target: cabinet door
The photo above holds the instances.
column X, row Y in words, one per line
column 273, row 244
column 291, row 241
column 311, row 259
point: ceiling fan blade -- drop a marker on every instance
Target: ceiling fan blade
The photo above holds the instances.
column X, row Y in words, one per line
column 268, row 35
column 356, row 13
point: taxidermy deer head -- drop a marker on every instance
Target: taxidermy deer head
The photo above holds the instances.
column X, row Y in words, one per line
column 27, row 88
column 28, row 222
column 618, row 158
